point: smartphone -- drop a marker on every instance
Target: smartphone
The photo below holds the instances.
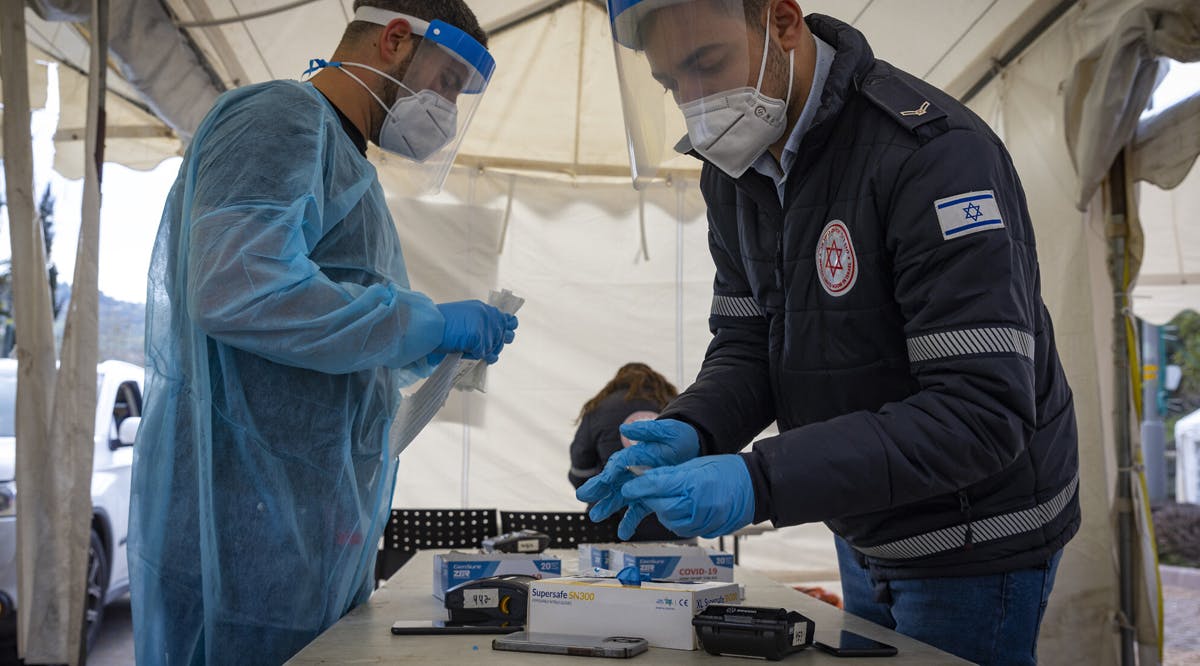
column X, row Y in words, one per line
column 620, row 647
column 443, row 627
column 851, row 644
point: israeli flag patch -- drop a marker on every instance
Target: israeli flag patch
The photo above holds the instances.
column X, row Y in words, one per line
column 965, row 214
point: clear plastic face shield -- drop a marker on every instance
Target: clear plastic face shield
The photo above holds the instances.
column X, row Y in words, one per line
column 698, row 69
column 429, row 109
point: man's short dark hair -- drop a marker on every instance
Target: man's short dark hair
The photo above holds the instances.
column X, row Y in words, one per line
column 454, row 12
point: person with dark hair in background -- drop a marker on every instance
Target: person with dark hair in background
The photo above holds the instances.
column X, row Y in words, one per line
column 280, row 327
column 636, row 393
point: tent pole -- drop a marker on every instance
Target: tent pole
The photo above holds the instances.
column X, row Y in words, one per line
column 680, row 202
column 1118, row 265
column 75, row 394
column 35, row 339
column 1026, row 40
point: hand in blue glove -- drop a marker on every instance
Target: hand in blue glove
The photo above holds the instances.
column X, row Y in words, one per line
column 476, row 329
column 709, row 496
column 659, row 443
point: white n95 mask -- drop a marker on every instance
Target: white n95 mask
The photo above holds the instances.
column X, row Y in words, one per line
column 732, row 128
column 417, row 125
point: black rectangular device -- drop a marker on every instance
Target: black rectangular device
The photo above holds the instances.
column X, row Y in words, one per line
column 752, row 631
column 502, row 599
column 620, row 647
column 523, row 541
column 851, row 644
column 445, row 627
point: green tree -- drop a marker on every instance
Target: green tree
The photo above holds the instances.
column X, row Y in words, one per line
column 7, row 325
column 46, row 212
column 1184, row 351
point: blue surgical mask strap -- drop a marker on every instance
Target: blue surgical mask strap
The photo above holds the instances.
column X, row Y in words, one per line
column 317, row 64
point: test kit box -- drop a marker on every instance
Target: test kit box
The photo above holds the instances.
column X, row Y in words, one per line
column 594, row 555
column 675, row 563
column 454, row 568
column 661, row 613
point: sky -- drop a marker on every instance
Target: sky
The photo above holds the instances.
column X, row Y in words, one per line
column 131, row 206
column 133, row 200
column 1182, row 81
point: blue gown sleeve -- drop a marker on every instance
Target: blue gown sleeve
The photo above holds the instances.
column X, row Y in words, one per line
column 258, row 208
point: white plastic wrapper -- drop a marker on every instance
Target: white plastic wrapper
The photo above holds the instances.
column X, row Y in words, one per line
column 418, row 409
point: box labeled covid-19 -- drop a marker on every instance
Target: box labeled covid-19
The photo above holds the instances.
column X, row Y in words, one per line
column 661, row 613
column 676, row 563
column 454, row 568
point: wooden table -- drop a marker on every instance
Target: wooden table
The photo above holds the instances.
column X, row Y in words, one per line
column 364, row 635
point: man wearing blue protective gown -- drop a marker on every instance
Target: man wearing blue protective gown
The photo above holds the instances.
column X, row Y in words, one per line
column 281, row 326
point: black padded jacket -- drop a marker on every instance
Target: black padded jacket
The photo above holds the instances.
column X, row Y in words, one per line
column 888, row 316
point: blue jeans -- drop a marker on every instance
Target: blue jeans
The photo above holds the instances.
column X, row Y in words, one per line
column 986, row 619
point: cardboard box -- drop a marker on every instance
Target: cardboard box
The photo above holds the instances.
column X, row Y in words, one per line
column 592, row 555
column 454, row 568
column 665, row 562
column 661, row 613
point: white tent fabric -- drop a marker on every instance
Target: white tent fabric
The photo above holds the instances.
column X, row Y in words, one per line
column 154, row 57
column 593, row 303
column 1169, row 281
column 36, row 71
column 1164, row 153
column 1111, row 87
column 1026, row 106
column 1187, row 458
column 537, row 113
column 35, row 468
column 571, row 246
column 55, row 410
column 73, row 421
column 1166, row 145
column 134, row 137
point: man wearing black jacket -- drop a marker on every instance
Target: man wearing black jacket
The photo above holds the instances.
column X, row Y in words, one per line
column 877, row 296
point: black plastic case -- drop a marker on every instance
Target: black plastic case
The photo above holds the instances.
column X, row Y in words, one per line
column 750, row 631
column 524, row 541
column 496, row 600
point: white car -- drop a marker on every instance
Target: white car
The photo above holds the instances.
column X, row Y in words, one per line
column 118, row 414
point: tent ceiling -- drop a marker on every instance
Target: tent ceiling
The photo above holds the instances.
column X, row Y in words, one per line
column 1169, row 280
column 543, row 110
column 934, row 39
column 65, row 43
column 930, row 38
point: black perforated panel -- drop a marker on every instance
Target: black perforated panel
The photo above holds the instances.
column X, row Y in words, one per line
column 565, row 529
column 414, row 529
column 409, row 530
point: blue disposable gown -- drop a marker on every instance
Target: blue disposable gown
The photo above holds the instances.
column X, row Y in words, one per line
column 280, row 328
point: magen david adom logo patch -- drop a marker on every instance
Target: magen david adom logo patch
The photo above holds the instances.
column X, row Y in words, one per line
column 837, row 265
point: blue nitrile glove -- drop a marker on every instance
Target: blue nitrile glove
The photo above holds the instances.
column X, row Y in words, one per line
column 630, row 575
column 658, row 443
column 476, row 329
column 709, row 496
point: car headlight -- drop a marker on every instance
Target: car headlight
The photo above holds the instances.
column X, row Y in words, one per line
column 8, row 498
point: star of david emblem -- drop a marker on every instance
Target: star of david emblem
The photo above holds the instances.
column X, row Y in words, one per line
column 972, row 212
column 837, row 267
column 833, row 258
